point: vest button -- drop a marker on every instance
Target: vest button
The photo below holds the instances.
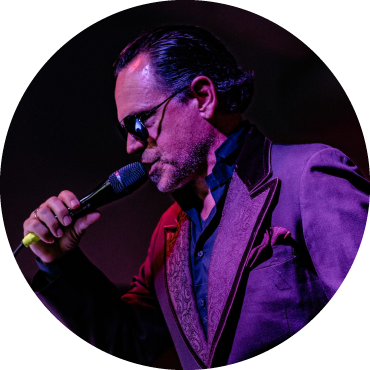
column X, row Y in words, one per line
column 200, row 254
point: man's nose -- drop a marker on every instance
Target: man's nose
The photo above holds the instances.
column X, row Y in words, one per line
column 133, row 145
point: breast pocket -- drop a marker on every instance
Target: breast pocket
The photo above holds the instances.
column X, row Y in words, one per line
column 277, row 247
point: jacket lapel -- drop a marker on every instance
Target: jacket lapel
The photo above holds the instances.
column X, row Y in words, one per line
column 248, row 200
column 239, row 226
column 180, row 289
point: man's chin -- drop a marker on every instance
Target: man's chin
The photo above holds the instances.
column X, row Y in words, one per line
column 164, row 185
column 166, row 188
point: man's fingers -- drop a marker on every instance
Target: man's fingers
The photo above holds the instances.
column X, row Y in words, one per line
column 46, row 216
column 68, row 198
column 35, row 226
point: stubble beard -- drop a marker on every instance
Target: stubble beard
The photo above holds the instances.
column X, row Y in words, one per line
column 190, row 164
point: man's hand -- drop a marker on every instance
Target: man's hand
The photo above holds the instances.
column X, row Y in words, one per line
column 58, row 236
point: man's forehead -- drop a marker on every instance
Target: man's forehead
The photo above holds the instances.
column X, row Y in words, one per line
column 136, row 88
column 141, row 64
column 137, row 74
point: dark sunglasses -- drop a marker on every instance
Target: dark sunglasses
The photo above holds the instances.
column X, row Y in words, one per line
column 134, row 124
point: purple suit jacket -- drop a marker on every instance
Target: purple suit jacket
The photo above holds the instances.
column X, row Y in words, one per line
column 292, row 223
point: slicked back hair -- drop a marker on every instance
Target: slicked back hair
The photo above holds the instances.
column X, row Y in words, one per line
column 181, row 53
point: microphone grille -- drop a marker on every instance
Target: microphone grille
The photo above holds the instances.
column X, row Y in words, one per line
column 128, row 178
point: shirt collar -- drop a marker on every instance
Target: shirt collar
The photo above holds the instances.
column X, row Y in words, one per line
column 226, row 155
column 232, row 143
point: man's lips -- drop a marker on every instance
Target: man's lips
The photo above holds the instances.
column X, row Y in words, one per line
column 148, row 165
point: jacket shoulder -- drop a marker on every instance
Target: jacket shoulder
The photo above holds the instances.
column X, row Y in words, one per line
column 289, row 160
column 293, row 161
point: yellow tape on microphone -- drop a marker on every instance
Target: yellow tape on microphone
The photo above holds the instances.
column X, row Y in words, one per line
column 29, row 239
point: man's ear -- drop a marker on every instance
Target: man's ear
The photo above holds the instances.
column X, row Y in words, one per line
column 205, row 93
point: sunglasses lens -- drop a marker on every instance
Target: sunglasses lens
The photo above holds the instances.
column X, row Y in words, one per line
column 122, row 130
column 135, row 127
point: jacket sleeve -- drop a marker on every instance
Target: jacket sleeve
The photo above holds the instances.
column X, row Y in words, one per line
column 334, row 200
column 84, row 300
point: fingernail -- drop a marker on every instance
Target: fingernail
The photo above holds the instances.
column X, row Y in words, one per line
column 67, row 220
column 59, row 233
column 74, row 203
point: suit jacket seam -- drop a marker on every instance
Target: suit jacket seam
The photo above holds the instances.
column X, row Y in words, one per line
column 304, row 170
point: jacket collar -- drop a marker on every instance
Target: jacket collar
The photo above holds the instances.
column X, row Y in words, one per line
column 253, row 165
column 240, row 223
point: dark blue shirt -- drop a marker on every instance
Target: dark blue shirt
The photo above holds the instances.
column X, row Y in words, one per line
column 204, row 232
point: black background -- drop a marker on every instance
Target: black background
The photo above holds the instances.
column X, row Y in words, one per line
column 63, row 134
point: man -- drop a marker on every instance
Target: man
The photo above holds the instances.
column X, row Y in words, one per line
column 260, row 237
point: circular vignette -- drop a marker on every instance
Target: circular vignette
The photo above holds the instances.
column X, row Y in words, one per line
column 35, row 50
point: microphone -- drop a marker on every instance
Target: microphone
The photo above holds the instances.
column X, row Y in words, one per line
column 119, row 184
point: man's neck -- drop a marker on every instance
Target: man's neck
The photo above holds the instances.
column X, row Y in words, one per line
column 199, row 185
column 202, row 190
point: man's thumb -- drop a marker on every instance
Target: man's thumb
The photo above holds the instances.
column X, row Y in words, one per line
column 84, row 222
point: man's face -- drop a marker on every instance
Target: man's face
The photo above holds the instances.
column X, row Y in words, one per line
column 179, row 137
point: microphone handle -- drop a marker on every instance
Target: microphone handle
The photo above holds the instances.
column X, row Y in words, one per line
column 100, row 196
